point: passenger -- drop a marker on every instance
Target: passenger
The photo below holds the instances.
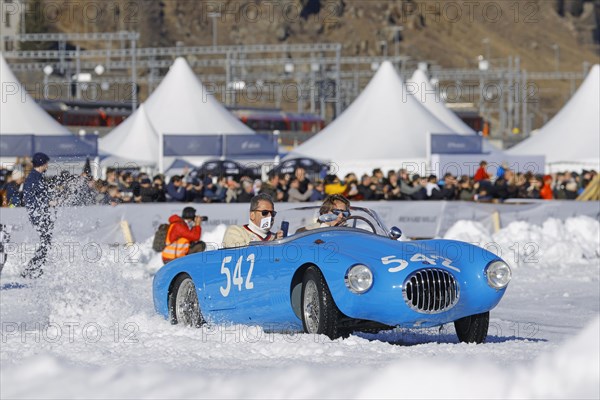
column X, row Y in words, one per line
column 258, row 228
column 335, row 204
column 183, row 236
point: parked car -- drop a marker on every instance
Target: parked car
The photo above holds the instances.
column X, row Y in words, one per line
column 336, row 280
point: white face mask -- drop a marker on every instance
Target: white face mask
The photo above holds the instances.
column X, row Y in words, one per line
column 265, row 223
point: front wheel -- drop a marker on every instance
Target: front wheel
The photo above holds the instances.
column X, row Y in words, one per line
column 473, row 329
column 183, row 303
column 319, row 313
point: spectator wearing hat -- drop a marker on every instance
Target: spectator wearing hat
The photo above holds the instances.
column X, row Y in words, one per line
column 39, row 206
column 158, row 182
column 148, row 192
column 14, row 189
column 183, row 236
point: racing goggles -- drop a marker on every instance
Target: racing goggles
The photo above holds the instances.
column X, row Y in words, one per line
column 264, row 213
column 337, row 211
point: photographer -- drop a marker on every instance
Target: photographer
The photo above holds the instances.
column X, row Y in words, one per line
column 183, row 236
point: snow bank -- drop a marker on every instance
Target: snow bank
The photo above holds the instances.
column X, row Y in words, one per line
column 555, row 243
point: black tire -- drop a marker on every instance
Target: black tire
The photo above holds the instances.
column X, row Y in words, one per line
column 319, row 313
column 184, row 307
column 473, row 329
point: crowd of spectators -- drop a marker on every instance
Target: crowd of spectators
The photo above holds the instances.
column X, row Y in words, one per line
column 128, row 186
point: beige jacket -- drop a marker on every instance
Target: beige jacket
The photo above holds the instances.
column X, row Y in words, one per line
column 236, row 236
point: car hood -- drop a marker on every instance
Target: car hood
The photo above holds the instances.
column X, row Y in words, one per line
column 368, row 248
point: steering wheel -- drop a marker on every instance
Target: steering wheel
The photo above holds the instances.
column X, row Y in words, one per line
column 358, row 218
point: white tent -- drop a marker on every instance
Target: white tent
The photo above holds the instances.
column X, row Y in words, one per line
column 420, row 87
column 384, row 127
column 572, row 137
column 182, row 105
column 135, row 140
column 19, row 113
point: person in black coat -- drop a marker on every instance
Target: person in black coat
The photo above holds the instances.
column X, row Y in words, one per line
column 40, row 210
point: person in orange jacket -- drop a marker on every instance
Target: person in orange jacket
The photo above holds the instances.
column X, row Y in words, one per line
column 183, row 236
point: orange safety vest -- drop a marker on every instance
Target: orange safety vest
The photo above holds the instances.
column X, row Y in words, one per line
column 175, row 249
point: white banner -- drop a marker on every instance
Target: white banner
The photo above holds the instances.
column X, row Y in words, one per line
column 417, row 219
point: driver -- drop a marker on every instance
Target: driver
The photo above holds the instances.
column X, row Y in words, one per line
column 335, row 204
column 258, row 228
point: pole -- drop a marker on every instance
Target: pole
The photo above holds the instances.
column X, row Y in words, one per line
column 312, row 83
column 214, row 16
column 524, row 100
column 214, row 32
column 62, row 48
column 45, row 86
column 133, row 76
column 78, row 72
column 481, row 93
column 518, row 92
column 511, row 94
column 227, row 78
column 338, row 80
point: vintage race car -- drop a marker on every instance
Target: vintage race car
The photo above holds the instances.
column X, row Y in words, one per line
column 336, row 280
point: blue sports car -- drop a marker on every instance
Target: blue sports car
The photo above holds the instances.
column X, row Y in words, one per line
column 336, row 280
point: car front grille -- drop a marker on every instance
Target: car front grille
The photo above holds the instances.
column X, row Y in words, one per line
column 431, row 291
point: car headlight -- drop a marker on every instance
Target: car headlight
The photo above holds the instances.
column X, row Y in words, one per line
column 359, row 278
column 498, row 274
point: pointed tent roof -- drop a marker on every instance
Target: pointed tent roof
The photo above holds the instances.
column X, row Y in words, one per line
column 426, row 95
column 19, row 113
column 382, row 123
column 573, row 135
column 182, row 105
column 134, row 140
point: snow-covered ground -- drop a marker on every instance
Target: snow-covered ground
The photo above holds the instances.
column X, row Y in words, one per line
column 87, row 329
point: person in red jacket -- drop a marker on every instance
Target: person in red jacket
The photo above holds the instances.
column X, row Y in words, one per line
column 481, row 174
column 183, row 236
column 546, row 190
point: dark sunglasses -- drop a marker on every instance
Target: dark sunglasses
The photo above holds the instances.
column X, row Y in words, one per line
column 264, row 213
column 337, row 211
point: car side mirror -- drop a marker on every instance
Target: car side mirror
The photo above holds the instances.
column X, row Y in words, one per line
column 395, row 233
column 327, row 217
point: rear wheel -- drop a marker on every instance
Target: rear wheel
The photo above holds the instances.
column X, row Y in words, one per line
column 473, row 329
column 319, row 313
column 183, row 303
